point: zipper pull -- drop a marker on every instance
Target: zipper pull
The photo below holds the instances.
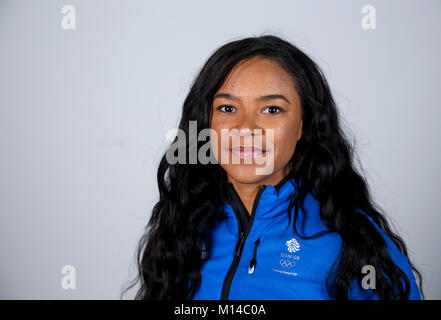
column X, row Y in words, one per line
column 239, row 245
column 253, row 260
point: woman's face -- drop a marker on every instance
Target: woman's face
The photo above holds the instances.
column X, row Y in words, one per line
column 247, row 100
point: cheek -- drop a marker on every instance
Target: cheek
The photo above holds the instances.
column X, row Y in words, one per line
column 215, row 140
column 285, row 142
column 218, row 145
column 217, row 125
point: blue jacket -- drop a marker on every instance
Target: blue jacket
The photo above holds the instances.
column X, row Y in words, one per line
column 269, row 261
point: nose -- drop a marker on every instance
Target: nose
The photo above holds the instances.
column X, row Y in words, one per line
column 249, row 130
column 247, row 125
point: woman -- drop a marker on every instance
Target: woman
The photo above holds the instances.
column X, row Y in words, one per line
column 303, row 227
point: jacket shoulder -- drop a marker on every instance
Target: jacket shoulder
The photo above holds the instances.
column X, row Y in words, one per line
column 399, row 258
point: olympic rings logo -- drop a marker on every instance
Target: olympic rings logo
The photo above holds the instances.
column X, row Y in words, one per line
column 287, row 263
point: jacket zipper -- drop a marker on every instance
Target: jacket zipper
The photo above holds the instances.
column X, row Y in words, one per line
column 240, row 243
column 253, row 260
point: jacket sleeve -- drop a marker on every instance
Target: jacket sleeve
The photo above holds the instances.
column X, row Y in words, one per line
column 400, row 259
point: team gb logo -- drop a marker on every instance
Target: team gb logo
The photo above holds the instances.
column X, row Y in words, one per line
column 293, row 245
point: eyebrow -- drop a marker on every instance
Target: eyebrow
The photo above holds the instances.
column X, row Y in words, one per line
column 262, row 98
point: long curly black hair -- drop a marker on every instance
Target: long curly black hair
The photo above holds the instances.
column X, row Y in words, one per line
column 190, row 195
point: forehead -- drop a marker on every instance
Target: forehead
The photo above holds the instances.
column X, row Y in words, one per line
column 258, row 76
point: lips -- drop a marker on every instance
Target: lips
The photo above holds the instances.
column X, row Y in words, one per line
column 247, row 152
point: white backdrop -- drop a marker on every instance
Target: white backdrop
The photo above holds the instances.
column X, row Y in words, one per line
column 85, row 111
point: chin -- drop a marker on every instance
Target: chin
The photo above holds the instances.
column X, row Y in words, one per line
column 243, row 173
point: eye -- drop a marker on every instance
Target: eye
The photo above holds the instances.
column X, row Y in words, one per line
column 226, row 108
column 272, row 109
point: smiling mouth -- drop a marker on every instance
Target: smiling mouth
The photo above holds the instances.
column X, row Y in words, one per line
column 247, row 152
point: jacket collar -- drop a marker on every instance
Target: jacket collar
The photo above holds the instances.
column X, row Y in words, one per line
column 271, row 201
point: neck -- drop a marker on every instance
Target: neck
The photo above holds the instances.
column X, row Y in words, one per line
column 248, row 191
